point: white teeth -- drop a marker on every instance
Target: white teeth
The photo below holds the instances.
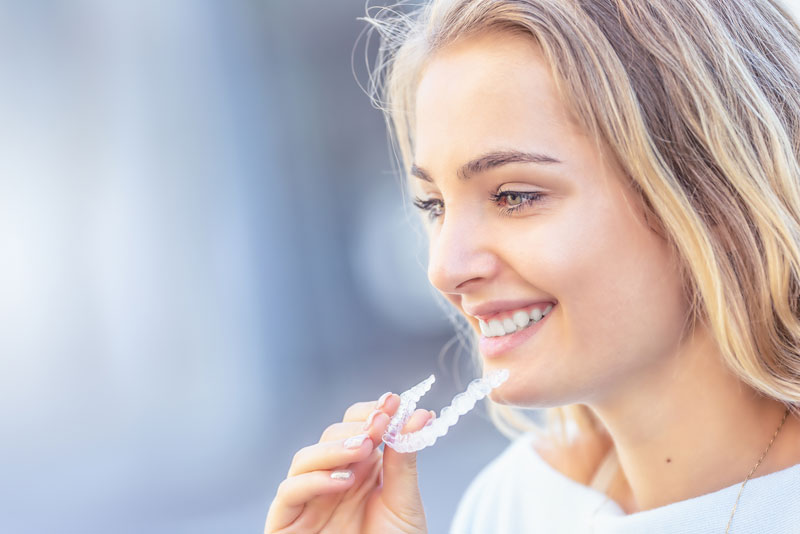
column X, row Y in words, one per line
column 517, row 322
column 509, row 325
column 484, row 327
column 496, row 328
column 521, row 319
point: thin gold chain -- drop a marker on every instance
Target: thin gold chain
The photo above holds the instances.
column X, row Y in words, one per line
column 785, row 415
column 754, row 469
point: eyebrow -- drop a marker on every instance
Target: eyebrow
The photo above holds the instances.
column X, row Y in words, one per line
column 490, row 160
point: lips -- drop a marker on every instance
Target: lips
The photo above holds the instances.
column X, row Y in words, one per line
column 521, row 318
column 495, row 347
column 502, row 309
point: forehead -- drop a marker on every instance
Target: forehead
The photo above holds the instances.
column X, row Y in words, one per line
column 489, row 91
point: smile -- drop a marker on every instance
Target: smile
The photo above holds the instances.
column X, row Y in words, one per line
column 517, row 321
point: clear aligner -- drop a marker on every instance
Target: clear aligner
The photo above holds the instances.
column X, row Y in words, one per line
column 408, row 403
column 460, row 405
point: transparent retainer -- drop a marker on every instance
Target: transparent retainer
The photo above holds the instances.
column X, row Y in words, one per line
column 427, row 436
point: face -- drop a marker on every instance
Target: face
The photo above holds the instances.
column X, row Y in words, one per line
column 547, row 218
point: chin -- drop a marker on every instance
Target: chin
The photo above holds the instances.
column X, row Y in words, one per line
column 503, row 395
column 499, row 399
column 519, row 396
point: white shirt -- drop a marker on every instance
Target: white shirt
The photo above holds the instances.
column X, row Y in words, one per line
column 520, row 493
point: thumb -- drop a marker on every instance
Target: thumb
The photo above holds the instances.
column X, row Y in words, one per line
column 400, row 482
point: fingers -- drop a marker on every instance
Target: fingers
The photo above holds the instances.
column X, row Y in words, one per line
column 373, row 423
column 346, row 448
column 310, row 474
column 352, row 447
column 388, row 403
column 294, row 492
column 330, row 454
column 348, row 442
column 360, row 417
column 418, row 420
column 342, row 431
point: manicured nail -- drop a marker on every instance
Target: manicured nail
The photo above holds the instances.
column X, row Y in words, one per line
column 341, row 475
column 382, row 400
column 355, row 441
column 368, row 422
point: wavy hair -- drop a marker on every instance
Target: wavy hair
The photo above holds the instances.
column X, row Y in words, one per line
column 700, row 102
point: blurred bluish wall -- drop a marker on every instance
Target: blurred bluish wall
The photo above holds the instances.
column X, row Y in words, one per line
column 204, row 260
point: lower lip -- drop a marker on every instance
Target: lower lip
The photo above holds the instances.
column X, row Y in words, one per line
column 494, row 347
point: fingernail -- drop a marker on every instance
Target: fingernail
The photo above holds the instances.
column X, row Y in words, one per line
column 355, row 441
column 432, row 419
column 368, row 422
column 382, row 400
column 341, row 475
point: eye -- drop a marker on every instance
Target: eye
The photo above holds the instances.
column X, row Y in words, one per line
column 433, row 206
column 511, row 201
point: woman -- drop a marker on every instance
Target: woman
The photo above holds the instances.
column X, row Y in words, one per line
column 634, row 165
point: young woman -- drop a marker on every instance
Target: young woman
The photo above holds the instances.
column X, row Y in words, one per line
column 633, row 166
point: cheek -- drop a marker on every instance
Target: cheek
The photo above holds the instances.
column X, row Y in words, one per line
column 617, row 284
column 625, row 297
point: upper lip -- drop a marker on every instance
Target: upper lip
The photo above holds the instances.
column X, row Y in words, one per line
column 487, row 310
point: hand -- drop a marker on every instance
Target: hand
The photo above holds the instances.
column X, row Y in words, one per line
column 380, row 497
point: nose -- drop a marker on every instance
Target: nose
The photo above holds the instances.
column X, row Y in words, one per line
column 461, row 257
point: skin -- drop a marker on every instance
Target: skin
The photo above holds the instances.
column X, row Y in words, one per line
column 683, row 425
column 381, row 497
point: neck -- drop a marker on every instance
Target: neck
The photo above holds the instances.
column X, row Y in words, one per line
column 689, row 427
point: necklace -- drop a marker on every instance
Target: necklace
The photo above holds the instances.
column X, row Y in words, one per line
column 755, row 467
column 785, row 415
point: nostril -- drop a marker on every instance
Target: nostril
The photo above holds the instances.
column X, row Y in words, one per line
column 462, row 285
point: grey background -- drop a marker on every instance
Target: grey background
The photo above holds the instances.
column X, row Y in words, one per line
column 204, row 260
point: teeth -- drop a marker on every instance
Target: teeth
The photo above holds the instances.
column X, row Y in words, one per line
column 517, row 322
column 496, row 328
column 521, row 319
column 484, row 328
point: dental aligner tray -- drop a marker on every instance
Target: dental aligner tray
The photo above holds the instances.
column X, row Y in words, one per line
column 427, row 436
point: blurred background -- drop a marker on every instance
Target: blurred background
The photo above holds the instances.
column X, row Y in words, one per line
column 204, row 260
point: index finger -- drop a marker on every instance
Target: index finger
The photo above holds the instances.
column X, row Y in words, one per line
column 360, row 411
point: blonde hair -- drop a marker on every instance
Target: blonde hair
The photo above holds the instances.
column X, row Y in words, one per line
column 700, row 102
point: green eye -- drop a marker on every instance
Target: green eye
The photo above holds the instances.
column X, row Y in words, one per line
column 513, row 199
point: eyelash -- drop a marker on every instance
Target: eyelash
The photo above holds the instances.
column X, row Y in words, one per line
column 528, row 198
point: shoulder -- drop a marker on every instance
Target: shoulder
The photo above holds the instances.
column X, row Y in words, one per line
column 517, row 492
column 517, row 487
column 495, row 489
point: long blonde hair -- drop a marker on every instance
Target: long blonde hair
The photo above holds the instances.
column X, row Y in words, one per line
column 700, row 102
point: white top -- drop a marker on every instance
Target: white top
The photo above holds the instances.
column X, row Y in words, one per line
column 520, row 493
